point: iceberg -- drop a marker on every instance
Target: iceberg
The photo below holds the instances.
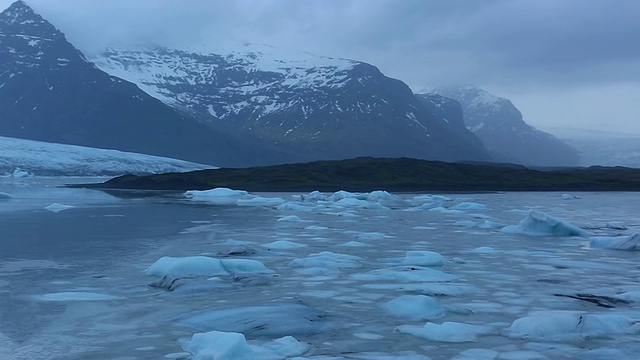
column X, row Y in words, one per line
column 452, row 332
column 204, row 266
column 414, row 307
column 55, row 207
column 571, row 325
column 217, row 196
column 220, row 345
column 466, row 206
column 423, row 258
column 631, row 243
column 538, row 223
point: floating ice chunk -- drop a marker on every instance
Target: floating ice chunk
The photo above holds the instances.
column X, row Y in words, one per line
column 406, row 274
column 55, row 207
column 273, row 320
column 284, row 245
column 568, row 325
column 327, row 259
column 414, row 307
column 296, row 207
column 217, row 196
column 358, row 203
column 354, row 244
column 569, row 197
column 488, row 224
column 290, row 218
column 5, row 196
column 631, row 242
column 540, row 224
column 444, row 210
column 605, row 354
column 477, row 354
column 467, row 223
column 423, row 258
column 630, row 296
column 484, row 250
column 204, row 266
column 339, row 195
column 260, row 201
column 466, row 206
column 233, row 346
column 616, row 225
column 76, row 296
column 452, row 332
column 313, row 196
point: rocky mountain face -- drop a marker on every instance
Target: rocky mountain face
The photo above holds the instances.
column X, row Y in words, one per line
column 50, row 92
column 450, row 111
column 500, row 126
column 317, row 107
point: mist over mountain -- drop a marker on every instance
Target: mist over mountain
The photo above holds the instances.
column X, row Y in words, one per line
column 605, row 148
column 502, row 129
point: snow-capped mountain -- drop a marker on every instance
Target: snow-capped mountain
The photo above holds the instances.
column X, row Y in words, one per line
column 500, row 126
column 318, row 107
column 18, row 156
column 50, row 92
column 450, row 111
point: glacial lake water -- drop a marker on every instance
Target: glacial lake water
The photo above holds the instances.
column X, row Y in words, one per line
column 73, row 282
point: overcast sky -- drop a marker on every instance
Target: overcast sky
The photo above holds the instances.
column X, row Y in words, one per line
column 567, row 63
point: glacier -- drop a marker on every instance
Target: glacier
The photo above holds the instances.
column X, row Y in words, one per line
column 19, row 158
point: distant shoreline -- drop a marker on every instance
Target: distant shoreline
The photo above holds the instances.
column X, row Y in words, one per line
column 396, row 175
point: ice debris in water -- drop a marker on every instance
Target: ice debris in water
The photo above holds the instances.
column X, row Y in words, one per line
column 452, row 332
column 5, row 196
column 569, row 197
column 204, row 266
column 631, row 243
column 414, row 307
column 76, row 296
column 423, row 258
column 217, row 196
column 466, row 206
column 538, row 223
column 234, row 346
column 327, row 259
column 563, row 325
column 290, row 218
column 55, row 207
column 616, row 225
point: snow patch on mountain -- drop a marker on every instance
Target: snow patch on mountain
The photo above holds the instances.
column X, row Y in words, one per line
column 20, row 157
column 224, row 83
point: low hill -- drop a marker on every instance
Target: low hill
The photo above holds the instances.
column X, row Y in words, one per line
column 404, row 174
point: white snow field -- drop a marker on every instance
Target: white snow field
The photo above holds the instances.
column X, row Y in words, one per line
column 19, row 158
column 226, row 274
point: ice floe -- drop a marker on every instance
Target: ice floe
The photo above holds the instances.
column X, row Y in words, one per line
column 452, row 332
column 234, row 346
column 274, row 319
column 423, row 258
column 76, row 296
column 327, row 259
column 218, row 196
column 631, row 242
column 466, row 206
column 538, row 223
column 204, row 266
column 55, row 207
column 414, row 307
column 561, row 325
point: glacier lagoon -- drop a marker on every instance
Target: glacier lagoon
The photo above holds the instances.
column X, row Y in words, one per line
column 231, row 275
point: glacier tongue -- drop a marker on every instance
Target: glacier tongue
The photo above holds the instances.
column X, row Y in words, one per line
column 25, row 158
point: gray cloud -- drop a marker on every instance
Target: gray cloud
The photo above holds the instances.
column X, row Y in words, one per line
column 518, row 47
